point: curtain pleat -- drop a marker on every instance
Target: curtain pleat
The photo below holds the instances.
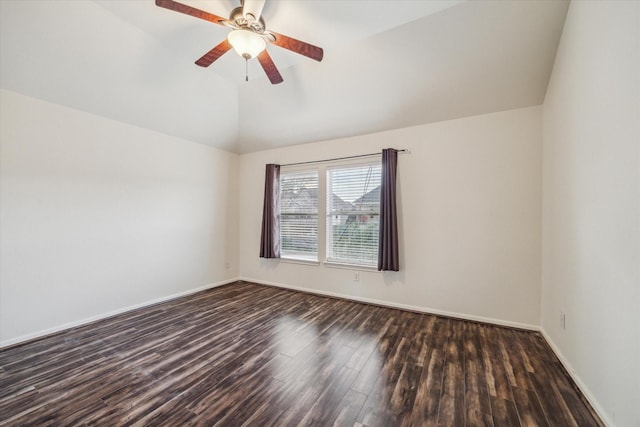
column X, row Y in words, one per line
column 388, row 256
column 270, row 237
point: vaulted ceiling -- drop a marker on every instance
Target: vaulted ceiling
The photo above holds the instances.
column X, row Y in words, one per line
column 387, row 64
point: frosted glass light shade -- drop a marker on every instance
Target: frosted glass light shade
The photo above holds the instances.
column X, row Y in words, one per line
column 246, row 43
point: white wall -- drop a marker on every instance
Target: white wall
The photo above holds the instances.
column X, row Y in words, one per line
column 469, row 202
column 98, row 215
column 591, row 215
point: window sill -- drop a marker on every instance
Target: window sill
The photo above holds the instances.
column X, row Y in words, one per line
column 302, row 261
column 334, row 264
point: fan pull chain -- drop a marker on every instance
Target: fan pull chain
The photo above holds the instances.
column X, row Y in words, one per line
column 246, row 69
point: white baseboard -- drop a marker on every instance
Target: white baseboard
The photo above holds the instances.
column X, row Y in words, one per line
column 574, row 376
column 81, row 322
column 399, row 306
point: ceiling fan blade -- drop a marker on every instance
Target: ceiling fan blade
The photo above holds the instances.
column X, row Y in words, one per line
column 192, row 11
column 215, row 53
column 270, row 68
column 297, row 46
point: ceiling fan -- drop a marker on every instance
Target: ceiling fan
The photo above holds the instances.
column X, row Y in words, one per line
column 249, row 36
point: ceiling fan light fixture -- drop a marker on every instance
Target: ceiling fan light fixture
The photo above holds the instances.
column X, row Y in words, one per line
column 247, row 43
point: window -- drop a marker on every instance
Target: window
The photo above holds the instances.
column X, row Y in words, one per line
column 299, row 215
column 353, row 214
column 351, row 200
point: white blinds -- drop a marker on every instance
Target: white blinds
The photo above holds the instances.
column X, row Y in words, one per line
column 299, row 215
column 353, row 214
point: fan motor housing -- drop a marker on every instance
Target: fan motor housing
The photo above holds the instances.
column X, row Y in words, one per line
column 242, row 22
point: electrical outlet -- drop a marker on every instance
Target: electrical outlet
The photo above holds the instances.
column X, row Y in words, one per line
column 356, row 276
column 563, row 323
column 227, row 265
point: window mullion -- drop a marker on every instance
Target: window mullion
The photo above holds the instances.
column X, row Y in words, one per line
column 322, row 212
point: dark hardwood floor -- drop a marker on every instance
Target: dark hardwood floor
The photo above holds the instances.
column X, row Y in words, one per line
column 246, row 354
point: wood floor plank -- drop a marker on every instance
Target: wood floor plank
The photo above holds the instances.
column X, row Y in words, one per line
column 529, row 410
column 326, row 408
column 495, row 367
column 347, row 411
column 504, row 412
column 371, row 369
column 580, row 410
column 452, row 398
column 527, row 404
column 427, row 401
column 404, row 394
column 477, row 398
column 373, row 413
column 247, row 354
column 555, row 408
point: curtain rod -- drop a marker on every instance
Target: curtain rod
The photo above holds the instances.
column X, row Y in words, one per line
column 404, row 150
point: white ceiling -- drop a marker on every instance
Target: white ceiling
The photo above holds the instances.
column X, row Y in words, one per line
column 387, row 64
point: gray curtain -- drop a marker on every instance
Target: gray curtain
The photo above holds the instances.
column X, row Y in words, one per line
column 270, row 238
column 388, row 258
